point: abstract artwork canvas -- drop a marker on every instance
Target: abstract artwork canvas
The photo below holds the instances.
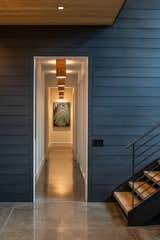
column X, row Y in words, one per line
column 61, row 114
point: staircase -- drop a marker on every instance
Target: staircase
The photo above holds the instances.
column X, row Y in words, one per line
column 139, row 197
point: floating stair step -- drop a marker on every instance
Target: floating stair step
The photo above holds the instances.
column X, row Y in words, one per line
column 153, row 176
column 125, row 200
column 143, row 189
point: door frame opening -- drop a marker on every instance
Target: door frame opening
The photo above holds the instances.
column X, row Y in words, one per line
column 83, row 102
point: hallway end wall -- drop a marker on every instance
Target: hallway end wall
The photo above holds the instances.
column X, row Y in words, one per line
column 60, row 136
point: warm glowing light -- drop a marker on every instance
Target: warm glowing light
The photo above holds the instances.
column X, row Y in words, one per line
column 61, row 94
column 61, row 68
column 60, row 100
column 60, row 77
column 60, row 7
column 61, row 89
column 68, row 62
column 61, row 82
column 67, row 71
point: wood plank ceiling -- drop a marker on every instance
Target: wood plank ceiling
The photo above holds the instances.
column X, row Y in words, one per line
column 45, row 12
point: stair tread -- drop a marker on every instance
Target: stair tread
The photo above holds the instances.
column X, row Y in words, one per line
column 143, row 189
column 153, row 175
column 125, row 200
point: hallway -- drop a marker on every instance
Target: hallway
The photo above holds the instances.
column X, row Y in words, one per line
column 61, row 177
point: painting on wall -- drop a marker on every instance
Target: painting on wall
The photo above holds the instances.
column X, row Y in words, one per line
column 61, row 114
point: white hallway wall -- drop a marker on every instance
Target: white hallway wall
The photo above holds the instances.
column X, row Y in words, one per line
column 82, row 120
column 40, row 153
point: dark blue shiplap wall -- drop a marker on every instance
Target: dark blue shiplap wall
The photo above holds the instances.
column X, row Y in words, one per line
column 124, row 93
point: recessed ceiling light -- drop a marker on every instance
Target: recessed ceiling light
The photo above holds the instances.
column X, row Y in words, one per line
column 60, row 7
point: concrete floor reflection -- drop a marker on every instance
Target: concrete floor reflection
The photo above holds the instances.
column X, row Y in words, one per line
column 61, row 177
column 68, row 220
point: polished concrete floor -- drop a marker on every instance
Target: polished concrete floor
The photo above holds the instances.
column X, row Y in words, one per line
column 55, row 215
column 61, row 177
column 62, row 220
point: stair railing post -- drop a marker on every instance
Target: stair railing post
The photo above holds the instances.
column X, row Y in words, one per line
column 133, row 172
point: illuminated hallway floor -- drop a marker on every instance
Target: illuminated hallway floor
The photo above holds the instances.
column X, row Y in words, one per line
column 61, row 177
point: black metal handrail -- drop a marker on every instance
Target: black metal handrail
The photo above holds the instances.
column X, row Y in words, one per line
column 142, row 136
column 143, row 144
column 146, row 153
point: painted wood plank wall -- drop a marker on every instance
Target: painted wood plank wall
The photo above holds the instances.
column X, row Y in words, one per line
column 124, row 93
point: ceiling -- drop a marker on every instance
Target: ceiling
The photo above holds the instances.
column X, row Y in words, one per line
column 74, row 66
column 45, row 12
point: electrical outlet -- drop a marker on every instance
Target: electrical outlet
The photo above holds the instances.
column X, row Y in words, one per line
column 97, row 142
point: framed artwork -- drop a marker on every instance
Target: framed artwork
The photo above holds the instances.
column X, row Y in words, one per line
column 61, row 114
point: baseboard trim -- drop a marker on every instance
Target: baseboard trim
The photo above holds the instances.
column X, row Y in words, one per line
column 60, row 144
column 82, row 173
column 40, row 169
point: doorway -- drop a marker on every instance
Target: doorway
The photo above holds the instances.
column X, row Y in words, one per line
column 61, row 153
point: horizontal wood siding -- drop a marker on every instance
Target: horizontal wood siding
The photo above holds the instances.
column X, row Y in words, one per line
column 124, row 93
column 15, row 127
